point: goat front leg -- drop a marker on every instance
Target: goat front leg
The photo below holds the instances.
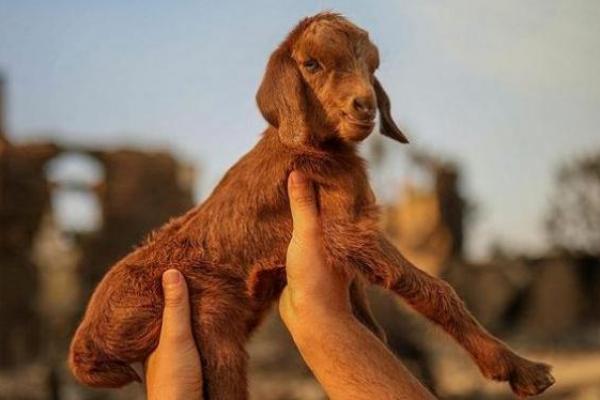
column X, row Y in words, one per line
column 383, row 264
column 362, row 310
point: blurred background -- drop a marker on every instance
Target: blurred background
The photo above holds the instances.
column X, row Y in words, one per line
column 115, row 116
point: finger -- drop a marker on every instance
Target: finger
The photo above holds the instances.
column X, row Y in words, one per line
column 176, row 314
column 303, row 204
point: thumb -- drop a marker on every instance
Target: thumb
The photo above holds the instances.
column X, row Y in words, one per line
column 176, row 314
column 303, row 204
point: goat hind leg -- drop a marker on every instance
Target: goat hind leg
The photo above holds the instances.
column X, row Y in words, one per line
column 224, row 361
column 437, row 300
column 220, row 315
column 103, row 349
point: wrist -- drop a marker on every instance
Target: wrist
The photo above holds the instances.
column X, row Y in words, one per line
column 307, row 323
column 302, row 307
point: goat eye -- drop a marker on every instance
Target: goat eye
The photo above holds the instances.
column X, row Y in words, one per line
column 311, row 65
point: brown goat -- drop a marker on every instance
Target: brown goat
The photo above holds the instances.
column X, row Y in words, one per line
column 320, row 97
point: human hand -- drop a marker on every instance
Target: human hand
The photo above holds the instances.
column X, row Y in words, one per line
column 346, row 358
column 314, row 289
column 173, row 370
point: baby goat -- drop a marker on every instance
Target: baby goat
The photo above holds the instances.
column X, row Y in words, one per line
column 319, row 95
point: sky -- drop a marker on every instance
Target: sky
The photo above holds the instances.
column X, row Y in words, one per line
column 508, row 89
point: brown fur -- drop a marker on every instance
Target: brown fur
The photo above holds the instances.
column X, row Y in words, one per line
column 232, row 247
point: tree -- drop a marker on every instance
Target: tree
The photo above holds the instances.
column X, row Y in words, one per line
column 573, row 222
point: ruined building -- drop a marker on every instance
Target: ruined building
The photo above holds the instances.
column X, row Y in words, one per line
column 427, row 223
column 24, row 197
column 140, row 190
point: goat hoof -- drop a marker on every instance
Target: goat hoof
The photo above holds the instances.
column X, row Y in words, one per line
column 526, row 378
column 530, row 379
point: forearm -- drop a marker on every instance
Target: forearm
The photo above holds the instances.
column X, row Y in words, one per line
column 350, row 362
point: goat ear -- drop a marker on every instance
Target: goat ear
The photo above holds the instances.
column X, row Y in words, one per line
column 281, row 98
column 387, row 126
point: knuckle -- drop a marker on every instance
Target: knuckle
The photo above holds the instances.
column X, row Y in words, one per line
column 306, row 237
column 311, row 230
column 180, row 336
column 297, row 242
column 174, row 300
column 303, row 199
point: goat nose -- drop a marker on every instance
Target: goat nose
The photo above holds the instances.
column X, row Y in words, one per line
column 364, row 104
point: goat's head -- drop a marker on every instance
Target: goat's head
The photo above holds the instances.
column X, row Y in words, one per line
column 320, row 82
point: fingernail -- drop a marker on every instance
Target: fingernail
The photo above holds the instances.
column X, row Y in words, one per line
column 171, row 277
column 298, row 178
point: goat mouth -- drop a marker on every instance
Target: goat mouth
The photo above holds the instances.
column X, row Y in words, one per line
column 360, row 123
